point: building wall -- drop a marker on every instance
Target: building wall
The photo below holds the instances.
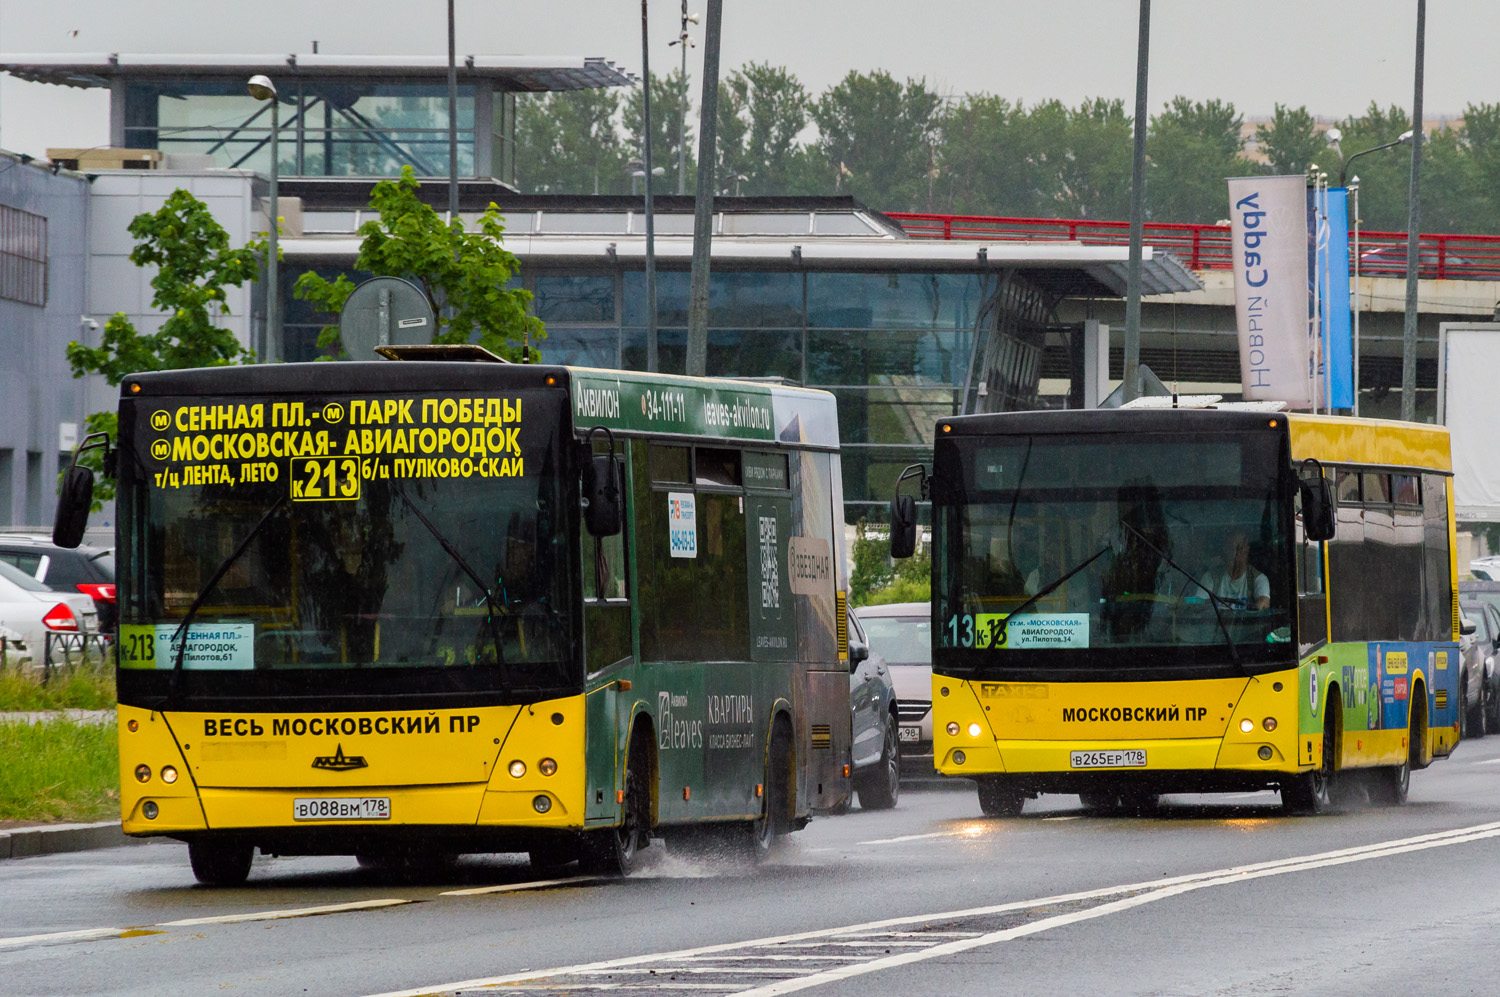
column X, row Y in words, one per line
column 38, row 397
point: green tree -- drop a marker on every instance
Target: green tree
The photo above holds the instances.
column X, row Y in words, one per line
column 762, row 111
column 872, row 565
column 1292, row 143
column 989, row 162
column 1087, row 150
column 568, row 143
column 1192, row 148
column 878, row 140
column 194, row 265
column 666, row 114
column 464, row 274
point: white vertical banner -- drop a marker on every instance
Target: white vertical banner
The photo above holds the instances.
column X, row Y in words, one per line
column 1269, row 239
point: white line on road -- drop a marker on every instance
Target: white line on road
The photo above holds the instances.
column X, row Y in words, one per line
column 913, row 837
column 1153, row 891
column 512, row 887
column 58, row 937
column 1066, row 817
column 276, row 915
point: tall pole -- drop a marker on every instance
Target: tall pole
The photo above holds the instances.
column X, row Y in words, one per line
column 1137, row 212
column 273, row 293
column 703, row 208
column 452, row 124
column 653, row 359
column 1413, row 233
column 1354, row 192
column 682, row 40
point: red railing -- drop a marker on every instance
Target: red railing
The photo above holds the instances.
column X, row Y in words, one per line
column 1207, row 247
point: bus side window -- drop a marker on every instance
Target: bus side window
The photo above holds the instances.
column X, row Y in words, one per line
column 606, row 593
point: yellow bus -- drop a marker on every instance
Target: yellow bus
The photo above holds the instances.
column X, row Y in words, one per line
column 413, row 609
column 1133, row 602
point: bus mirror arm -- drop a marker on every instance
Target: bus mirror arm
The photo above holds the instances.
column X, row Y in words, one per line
column 77, row 492
column 603, row 506
column 904, row 512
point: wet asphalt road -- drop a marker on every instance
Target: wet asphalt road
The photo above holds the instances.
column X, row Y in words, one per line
column 1213, row 895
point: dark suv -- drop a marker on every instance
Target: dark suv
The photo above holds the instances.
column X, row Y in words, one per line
column 86, row 569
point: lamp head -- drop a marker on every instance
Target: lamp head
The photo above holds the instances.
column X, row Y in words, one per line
column 1405, row 138
column 261, row 87
column 1334, row 136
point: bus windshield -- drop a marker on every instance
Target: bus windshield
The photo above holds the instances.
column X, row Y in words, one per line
column 353, row 560
column 1107, row 551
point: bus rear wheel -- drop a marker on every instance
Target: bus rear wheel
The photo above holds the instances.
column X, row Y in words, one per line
column 773, row 822
column 220, row 863
column 1312, row 792
column 998, row 797
column 612, row 851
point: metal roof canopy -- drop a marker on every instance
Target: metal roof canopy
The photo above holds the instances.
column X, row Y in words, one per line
column 517, row 72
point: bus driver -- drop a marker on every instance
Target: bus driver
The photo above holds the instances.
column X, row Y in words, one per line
column 1238, row 583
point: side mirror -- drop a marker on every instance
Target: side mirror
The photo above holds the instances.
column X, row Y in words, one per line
column 1466, row 626
column 857, row 652
column 1317, row 509
column 903, row 526
column 73, row 502
column 602, row 509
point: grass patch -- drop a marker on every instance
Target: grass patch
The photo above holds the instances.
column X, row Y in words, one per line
column 89, row 686
column 59, row 770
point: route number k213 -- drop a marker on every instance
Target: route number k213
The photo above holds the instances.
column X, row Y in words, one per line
column 332, row 480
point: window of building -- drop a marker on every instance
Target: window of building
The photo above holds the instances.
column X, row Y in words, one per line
column 23, row 256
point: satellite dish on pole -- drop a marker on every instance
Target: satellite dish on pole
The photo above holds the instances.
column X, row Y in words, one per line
column 385, row 311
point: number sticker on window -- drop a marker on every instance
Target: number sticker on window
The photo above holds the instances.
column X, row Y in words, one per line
column 330, row 480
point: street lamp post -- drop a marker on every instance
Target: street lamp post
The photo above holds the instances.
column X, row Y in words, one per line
column 685, row 42
column 261, row 88
column 1344, row 169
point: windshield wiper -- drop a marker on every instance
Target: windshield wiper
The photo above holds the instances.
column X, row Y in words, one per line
column 1213, row 600
column 489, row 596
column 180, row 635
column 998, row 640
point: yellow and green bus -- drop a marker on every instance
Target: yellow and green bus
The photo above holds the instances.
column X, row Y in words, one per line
column 1140, row 601
column 413, row 609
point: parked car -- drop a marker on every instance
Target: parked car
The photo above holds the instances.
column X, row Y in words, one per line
column 1479, row 652
column 90, row 570
column 875, row 750
column 33, row 611
column 1483, row 590
column 1484, row 568
column 902, row 633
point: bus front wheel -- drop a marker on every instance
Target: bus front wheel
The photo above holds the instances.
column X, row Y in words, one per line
column 612, row 851
column 220, row 863
column 998, row 798
column 1312, row 792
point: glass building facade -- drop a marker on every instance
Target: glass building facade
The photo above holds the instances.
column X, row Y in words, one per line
column 894, row 348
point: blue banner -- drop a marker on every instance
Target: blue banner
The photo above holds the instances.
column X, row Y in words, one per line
column 1338, row 344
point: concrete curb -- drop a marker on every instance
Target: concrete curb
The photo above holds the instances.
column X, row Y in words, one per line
column 23, row 842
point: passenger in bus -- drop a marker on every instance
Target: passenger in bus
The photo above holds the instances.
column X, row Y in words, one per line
column 1237, row 582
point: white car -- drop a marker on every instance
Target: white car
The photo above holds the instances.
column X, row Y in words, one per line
column 33, row 611
column 902, row 633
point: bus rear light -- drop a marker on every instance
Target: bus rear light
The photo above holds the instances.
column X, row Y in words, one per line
column 60, row 617
column 143, row 773
column 974, row 730
column 169, row 775
column 547, row 766
column 517, row 769
column 952, row 728
column 1247, row 725
column 1269, row 723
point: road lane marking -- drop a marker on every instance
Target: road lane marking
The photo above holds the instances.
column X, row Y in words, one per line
column 1066, row 817
column 912, row 837
column 60, row 937
column 512, row 887
column 1134, row 895
column 277, row 915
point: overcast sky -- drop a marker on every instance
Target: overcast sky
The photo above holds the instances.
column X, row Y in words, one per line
column 1334, row 57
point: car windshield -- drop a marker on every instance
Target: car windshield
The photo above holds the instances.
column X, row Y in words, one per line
column 373, row 562
column 901, row 640
column 1063, row 545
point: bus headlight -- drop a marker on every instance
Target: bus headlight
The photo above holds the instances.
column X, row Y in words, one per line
column 517, row 768
column 143, row 773
column 169, row 775
column 974, row 730
column 547, row 766
column 1247, row 725
column 150, row 809
column 1269, row 723
column 959, row 758
column 1265, row 752
column 542, row 804
column 953, row 728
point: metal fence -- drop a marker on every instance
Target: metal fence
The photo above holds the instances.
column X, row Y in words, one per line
column 1207, row 247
